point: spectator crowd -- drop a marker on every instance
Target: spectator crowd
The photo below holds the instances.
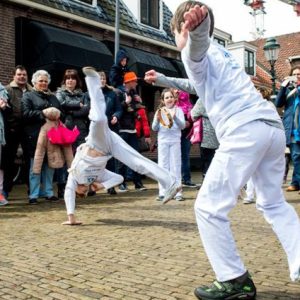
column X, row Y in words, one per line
column 29, row 111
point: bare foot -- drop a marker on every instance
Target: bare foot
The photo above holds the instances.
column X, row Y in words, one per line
column 71, row 223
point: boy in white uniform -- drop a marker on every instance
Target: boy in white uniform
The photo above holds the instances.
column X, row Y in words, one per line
column 252, row 144
column 88, row 167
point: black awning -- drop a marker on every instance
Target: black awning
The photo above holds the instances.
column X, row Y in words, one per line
column 141, row 61
column 46, row 45
column 180, row 67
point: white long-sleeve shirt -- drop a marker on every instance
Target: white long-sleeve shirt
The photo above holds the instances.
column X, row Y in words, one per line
column 173, row 134
column 227, row 92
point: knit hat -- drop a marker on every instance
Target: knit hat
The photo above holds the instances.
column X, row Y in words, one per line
column 130, row 76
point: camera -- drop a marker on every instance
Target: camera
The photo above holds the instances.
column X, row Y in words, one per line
column 292, row 79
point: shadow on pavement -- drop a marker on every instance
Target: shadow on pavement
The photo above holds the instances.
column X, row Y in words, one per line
column 183, row 226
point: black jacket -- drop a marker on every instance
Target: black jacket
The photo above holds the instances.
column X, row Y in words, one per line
column 113, row 107
column 12, row 114
column 32, row 105
column 75, row 115
column 127, row 120
column 116, row 74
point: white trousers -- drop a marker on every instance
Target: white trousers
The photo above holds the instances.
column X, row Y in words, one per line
column 108, row 142
column 256, row 150
column 250, row 190
column 169, row 158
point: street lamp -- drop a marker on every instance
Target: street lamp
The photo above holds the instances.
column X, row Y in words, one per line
column 271, row 50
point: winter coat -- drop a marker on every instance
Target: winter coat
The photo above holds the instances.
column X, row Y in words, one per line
column 209, row 139
column 12, row 114
column 75, row 115
column 113, row 107
column 141, row 124
column 128, row 118
column 185, row 104
column 57, row 155
column 286, row 98
column 32, row 105
column 117, row 71
column 4, row 96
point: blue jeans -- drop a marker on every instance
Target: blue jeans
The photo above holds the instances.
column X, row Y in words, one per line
column 41, row 185
column 185, row 159
column 295, row 154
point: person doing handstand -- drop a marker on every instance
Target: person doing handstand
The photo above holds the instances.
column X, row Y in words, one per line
column 88, row 167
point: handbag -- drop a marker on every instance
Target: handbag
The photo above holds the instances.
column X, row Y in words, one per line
column 61, row 135
column 143, row 146
column 196, row 133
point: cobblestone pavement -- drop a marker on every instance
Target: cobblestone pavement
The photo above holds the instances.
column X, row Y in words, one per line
column 130, row 247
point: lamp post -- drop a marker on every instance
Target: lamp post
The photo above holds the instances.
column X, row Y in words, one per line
column 117, row 28
column 271, row 50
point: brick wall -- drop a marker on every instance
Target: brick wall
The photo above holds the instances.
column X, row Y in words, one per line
column 7, row 45
column 9, row 12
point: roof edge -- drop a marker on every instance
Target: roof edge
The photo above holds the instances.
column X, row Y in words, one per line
column 58, row 12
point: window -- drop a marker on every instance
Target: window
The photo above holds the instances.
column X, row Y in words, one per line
column 220, row 41
column 249, row 62
column 150, row 12
column 89, row 2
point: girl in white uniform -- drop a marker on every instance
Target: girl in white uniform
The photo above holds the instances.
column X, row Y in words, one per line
column 252, row 144
column 88, row 166
column 169, row 121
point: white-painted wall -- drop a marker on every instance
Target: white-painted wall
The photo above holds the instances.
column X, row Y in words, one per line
column 238, row 51
column 133, row 6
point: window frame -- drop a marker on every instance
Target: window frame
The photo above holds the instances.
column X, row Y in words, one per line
column 220, row 41
column 159, row 14
column 94, row 2
column 249, row 57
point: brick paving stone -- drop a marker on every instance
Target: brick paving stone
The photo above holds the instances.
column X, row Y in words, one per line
column 130, row 247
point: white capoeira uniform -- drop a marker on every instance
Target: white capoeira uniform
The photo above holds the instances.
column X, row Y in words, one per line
column 169, row 146
column 250, row 191
column 252, row 144
column 86, row 169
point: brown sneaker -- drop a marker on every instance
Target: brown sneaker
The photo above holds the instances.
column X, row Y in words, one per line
column 292, row 188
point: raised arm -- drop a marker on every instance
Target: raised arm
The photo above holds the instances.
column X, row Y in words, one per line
column 162, row 80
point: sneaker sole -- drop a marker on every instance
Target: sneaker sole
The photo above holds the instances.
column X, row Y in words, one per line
column 172, row 193
column 190, row 186
column 241, row 296
column 90, row 71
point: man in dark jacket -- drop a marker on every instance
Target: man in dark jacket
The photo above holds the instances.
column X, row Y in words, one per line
column 127, row 129
column 13, row 126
